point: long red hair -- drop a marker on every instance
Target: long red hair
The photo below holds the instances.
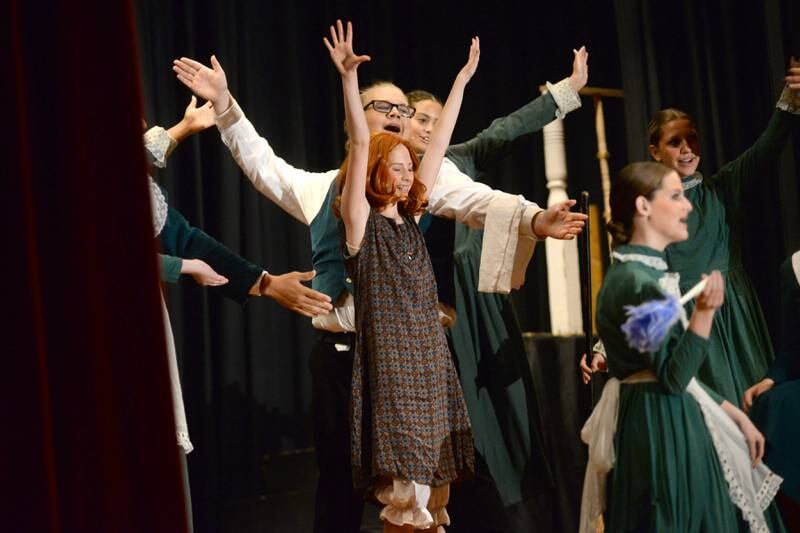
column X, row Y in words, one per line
column 380, row 189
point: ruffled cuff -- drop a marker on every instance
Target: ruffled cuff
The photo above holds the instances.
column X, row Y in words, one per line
column 159, row 145
column 184, row 442
column 565, row 97
column 419, row 518
column 230, row 116
column 789, row 101
column 402, row 507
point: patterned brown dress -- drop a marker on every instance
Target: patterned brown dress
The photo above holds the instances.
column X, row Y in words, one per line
column 409, row 418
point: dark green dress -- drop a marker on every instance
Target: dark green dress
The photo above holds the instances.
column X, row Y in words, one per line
column 486, row 338
column 667, row 476
column 741, row 350
column 491, row 355
column 777, row 412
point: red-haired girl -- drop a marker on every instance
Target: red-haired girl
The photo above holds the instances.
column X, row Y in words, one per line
column 410, row 434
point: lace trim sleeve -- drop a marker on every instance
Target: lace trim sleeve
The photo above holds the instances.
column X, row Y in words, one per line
column 566, row 98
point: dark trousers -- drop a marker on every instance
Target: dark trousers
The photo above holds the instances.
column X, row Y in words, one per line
column 475, row 504
column 338, row 507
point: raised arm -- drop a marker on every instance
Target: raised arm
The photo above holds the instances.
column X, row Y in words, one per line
column 195, row 119
column 505, row 134
column 440, row 139
column 354, row 206
column 752, row 163
column 208, row 83
column 160, row 143
column 298, row 192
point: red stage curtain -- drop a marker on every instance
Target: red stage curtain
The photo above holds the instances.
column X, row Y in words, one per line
column 88, row 441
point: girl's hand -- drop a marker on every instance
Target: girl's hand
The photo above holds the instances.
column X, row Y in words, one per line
column 793, row 75
column 754, row 438
column 598, row 365
column 755, row 391
column 751, row 434
column 200, row 118
column 202, row 273
column 342, row 55
column 713, row 296
column 580, row 69
column 469, row 69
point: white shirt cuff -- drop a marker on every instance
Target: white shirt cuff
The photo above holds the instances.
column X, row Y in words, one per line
column 230, row 116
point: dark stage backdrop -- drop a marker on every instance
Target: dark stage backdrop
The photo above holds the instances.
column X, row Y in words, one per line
column 245, row 372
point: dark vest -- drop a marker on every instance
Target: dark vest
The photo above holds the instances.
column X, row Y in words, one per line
column 326, row 250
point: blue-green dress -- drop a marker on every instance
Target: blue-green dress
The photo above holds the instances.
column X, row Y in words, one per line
column 777, row 412
column 741, row 349
column 667, row 476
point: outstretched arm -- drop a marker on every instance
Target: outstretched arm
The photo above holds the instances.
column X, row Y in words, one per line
column 752, row 163
column 505, row 134
column 299, row 192
column 355, row 207
column 440, row 140
column 159, row 143
column 195, row 119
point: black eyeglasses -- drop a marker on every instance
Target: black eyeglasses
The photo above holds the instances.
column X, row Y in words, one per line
column 382, row 106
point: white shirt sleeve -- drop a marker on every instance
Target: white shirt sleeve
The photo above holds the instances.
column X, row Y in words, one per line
column 298, row 192
column 457, row 196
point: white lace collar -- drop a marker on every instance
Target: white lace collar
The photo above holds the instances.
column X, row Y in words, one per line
column 649, row 260
column 695, row 180
column 158, row 204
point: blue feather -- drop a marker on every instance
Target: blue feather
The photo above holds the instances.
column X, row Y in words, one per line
column 648, row 323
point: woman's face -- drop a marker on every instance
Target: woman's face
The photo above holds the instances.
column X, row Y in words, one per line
column 678, row 147
column 400, row 169
column 668, row 211
column 422, row 123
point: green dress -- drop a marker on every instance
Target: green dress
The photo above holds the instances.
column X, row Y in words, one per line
column 741, row 350
column 493, row 362
column 486, row 338
column 667, row 476
column 776, row 411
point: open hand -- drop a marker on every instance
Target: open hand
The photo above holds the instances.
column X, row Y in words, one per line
column 200, row 118
column 208, row 84
column 342, row 55
column 580, row 69
column 472, row 62
column 202, row 273
column 559, row 222
column 289, row 291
